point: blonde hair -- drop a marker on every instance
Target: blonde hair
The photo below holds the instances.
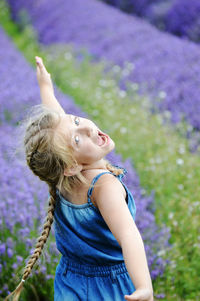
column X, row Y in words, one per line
column 47, row 155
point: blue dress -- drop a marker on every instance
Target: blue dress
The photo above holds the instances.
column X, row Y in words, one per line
column 92, row 266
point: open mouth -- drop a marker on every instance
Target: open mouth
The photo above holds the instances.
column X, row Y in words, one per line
column 103, row 139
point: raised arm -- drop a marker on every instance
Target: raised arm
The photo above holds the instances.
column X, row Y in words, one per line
column 46, row 87
column 110, row 200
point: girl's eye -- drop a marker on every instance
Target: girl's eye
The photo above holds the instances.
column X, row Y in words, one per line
column 77, row 120
column 77, row 139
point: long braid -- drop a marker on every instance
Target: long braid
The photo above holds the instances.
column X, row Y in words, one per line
column 43, row 163
column 45, row 233
column 39, row 245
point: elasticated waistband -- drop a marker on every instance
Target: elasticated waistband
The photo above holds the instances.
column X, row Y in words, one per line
column 93, row 270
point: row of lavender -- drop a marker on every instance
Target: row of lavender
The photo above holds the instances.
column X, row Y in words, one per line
column 23, row 196
column 180, row 17
column 166, row 67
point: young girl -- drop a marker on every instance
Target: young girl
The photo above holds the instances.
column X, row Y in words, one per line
column 103, row 255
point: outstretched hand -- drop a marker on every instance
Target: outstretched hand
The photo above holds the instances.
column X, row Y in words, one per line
column 140, row 295
column 43, row 77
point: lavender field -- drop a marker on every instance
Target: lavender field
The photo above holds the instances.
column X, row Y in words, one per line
column 179, row 17
column 167, row 68
column 24, row 197
column 165, row 177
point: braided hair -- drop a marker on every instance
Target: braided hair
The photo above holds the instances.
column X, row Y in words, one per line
column 46, row 158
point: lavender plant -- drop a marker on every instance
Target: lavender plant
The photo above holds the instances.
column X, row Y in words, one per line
column 22, row 209
column 183, row 19
column 180, row 17
column 137, row 7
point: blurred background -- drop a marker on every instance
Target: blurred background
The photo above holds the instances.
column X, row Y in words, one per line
column 132, row 66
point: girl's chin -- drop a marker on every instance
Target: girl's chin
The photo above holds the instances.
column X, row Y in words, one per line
column 111, row 145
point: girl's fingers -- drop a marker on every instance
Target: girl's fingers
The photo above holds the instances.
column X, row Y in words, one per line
column 37, row 59
column 39, row 62
column 139, row 295
column 41, row 70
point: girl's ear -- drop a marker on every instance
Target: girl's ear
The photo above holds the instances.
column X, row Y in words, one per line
column 72, row 171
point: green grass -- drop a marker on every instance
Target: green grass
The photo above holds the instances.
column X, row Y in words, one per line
column 160, row 155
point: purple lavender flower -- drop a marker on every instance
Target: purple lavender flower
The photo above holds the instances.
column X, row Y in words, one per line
column 9, row 252
column 9, row 242
column 2, row 248
column 19, row 259
column 160, row 296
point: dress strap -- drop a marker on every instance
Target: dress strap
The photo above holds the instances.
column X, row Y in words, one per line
column 95, row 179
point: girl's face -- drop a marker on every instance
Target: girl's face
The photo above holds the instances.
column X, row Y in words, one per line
column 89, row 144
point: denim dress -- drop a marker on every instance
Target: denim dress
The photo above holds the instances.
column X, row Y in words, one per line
column 92, row 266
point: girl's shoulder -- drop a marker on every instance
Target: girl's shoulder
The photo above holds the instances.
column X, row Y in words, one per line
column 105, row 182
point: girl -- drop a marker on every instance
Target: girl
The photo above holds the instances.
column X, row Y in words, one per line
column 103, row 255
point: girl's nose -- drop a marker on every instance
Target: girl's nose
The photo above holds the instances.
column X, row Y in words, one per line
column 87, row 130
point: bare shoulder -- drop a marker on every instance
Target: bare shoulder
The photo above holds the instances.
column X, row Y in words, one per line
column 108, row 185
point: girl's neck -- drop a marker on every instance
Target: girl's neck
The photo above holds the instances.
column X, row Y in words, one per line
column 97, row 165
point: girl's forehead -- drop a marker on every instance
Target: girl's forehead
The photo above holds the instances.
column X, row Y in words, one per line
column 70, row 118
column 66, row 124
column 63, row 115
column 66, row 117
